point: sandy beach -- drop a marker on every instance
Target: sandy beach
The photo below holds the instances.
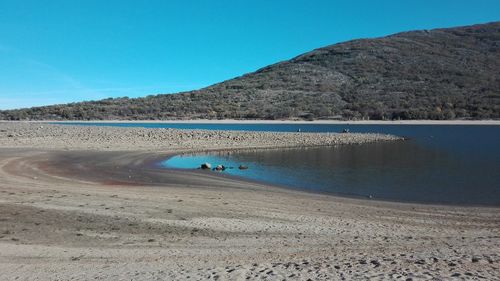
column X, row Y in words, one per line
column 87, row 203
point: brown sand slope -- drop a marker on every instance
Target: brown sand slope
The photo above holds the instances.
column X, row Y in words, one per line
column 87, row 215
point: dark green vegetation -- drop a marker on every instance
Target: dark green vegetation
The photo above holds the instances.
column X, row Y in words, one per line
column 437, row 74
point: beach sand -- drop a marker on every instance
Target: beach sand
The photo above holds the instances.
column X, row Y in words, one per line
column 88, row 203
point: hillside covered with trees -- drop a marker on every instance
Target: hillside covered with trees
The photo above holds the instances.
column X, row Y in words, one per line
column 430, row 74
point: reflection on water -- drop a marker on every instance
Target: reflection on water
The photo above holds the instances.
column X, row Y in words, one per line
column 456, row 164
column 452, row 165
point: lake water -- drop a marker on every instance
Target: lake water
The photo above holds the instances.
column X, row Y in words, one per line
column 446, row 164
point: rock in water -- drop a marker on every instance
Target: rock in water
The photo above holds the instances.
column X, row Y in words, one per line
column 205, row 166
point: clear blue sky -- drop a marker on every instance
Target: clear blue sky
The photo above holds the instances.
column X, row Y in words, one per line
column 73, row 50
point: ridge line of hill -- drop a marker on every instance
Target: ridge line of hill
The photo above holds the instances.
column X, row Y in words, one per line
column 439, row 74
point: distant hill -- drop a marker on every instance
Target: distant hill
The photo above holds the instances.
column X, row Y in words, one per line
column 431, row 74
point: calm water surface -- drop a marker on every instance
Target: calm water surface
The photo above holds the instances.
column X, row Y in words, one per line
column 450, row 164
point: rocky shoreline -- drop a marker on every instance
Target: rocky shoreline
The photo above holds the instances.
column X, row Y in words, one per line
column 48, row 136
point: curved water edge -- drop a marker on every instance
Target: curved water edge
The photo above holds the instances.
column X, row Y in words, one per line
column 440, row 164
column 141, row 169
column 352, row 172
column 437, row 168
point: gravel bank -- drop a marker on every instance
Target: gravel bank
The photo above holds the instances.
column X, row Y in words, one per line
column 47, row 136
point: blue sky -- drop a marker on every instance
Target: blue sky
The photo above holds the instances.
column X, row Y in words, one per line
column 64, row 51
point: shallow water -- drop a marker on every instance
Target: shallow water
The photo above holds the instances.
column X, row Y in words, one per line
column 449, row 164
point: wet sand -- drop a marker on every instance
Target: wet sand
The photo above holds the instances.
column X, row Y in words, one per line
column 90, row 214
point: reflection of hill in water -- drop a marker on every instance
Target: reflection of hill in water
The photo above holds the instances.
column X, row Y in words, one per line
column 447, row 164
column 356, row 156
column 404, row 171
